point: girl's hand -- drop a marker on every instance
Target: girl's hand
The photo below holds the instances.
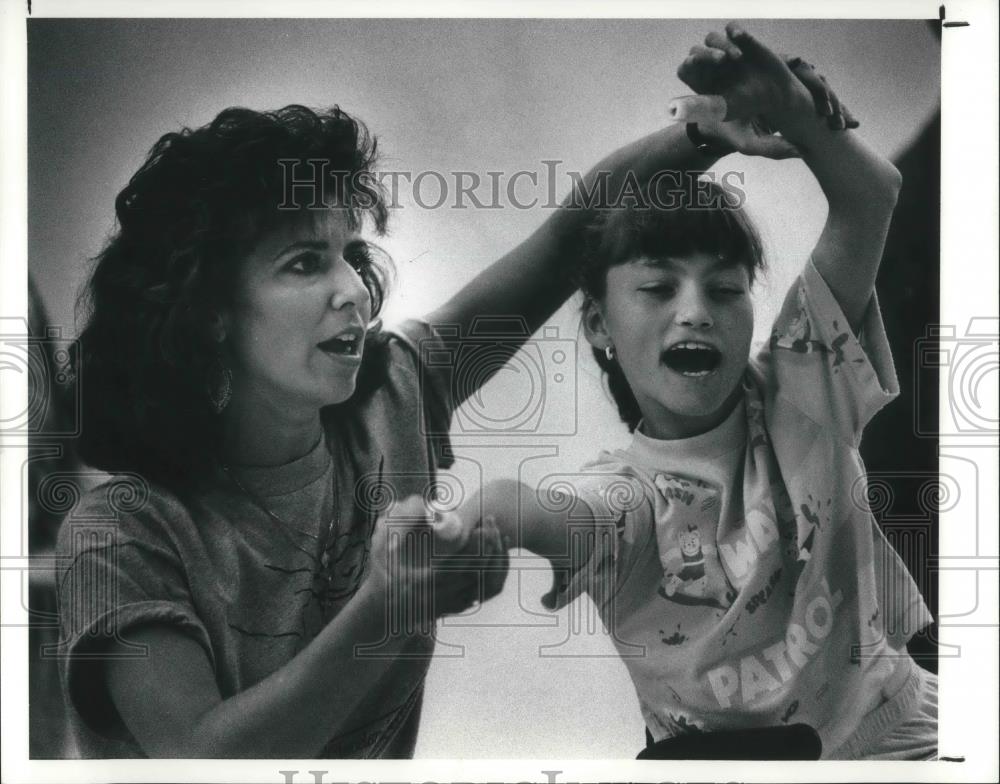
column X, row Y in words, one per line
column 747, row 92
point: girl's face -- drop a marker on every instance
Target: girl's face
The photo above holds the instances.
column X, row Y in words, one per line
column 294, row 335
column 681, row 331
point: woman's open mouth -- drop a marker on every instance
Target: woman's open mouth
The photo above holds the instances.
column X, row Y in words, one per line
column 347, row 344
column 692, row 359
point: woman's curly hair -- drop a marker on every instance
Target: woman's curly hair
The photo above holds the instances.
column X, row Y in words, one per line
column 717, row 225
column 197, row 206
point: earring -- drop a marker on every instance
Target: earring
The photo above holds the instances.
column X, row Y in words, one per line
column 609, row 352
column 220, row 386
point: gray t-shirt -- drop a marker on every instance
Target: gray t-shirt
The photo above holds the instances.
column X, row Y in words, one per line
column 251, row 591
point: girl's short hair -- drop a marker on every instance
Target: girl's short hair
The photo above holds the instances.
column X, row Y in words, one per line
column 185, row 221
column 715, row 224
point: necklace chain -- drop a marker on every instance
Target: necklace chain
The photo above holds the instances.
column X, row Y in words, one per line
column 258, row 502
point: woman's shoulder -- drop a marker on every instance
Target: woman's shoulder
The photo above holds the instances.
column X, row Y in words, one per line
column 104, row 509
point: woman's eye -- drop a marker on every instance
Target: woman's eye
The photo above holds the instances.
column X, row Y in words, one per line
column 727, row 293
column 305, row 264
column 358, row 256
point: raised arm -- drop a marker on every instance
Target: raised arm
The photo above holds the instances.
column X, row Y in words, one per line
column 531, row 282
column 860, row 186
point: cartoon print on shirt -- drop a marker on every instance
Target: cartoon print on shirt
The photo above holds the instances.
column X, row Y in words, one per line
column 683, row 724
column 674, row 639
column 692, row 573
column 815, row 522
column 790, row 711
column 838, row 349
column 797, row 334
column 699, row 580
column 731, row 631
column 805, row 553
column 756, row 427
column 673, row 488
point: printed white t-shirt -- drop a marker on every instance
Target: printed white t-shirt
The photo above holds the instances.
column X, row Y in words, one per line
column 742, row 575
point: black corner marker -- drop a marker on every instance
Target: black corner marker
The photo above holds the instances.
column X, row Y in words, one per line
column 941, row 17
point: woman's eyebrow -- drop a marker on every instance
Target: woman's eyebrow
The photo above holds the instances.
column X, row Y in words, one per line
column 302, row 245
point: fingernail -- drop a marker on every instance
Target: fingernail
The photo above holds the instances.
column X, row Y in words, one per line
column 795, row 62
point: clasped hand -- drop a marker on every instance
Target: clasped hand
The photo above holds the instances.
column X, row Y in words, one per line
column 746, row 92
column 434, row 563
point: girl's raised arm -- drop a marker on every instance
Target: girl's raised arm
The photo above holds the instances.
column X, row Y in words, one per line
column 530, row 282
column 860, row 185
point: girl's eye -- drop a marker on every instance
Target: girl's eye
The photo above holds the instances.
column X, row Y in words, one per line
column 305, row 264
column 727, row 292
column 659, row 289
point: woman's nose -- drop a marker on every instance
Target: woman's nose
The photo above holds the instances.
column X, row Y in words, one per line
column 348, row 288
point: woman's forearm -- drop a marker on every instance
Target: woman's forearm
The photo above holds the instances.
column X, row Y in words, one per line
column 531, row 280
column 315, row 697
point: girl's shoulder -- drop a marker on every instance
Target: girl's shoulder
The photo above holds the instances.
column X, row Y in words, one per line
column 618, row 480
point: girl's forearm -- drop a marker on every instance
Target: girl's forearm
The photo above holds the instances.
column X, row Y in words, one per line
column 861, row 188
column 521, row 518
column 853, row 176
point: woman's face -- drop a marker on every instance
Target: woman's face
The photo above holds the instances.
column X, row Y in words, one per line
column 681, row 330
column 294, row 336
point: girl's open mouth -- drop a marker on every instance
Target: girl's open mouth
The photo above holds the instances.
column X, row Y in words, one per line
column 692, row 359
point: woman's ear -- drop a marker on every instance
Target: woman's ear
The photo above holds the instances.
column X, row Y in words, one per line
column 594, row 326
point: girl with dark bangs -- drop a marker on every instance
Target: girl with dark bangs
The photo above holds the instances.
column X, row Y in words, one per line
column 258, row 593
column 729, row 549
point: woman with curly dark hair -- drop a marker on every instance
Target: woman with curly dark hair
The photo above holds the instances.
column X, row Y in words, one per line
column 234, row 589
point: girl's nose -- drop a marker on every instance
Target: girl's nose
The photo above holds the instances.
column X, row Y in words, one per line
column 694, row 312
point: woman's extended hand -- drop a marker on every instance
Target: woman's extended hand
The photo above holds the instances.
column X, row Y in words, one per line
column 432, row 563
column 746, row 92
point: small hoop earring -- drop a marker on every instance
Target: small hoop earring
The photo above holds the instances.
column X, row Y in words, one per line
column 609, row 353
